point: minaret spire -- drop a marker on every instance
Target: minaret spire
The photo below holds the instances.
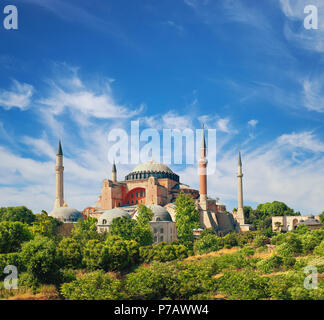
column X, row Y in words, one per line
column 59, row 202
column 240, row 208
column 59, row 149
column 203, row 171
column 114, row 173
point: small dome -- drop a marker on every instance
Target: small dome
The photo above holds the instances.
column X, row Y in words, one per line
column 107, row 216
column 152, row 166
column 160, row 213
column 66, row 214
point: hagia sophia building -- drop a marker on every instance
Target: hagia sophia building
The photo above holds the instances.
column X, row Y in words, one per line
column 155, row 185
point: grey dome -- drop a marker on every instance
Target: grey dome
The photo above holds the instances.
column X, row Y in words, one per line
column 152, row 166
column 160, row 213
column 66, row 214
column 152, row 169
column 107, row 216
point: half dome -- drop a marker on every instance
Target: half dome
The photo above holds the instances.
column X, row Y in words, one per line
column 109, row 215
column 66, row 214
column 160, row 213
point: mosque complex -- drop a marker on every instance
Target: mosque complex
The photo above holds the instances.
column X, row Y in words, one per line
column 155, row 185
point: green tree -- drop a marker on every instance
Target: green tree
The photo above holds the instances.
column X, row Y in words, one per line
column 12, row 235
column 319, row 250
column 94, row 255
column 40, row 260
column 208, row 243
column 276, row 208
column 187, row 218
column 44, row 225
column 118, row 255
column 93, row 286
column 69, row 253
column 143, row 233
column 85, row 230
column 321, row 216
column 138, row 230
column 123, row 227
column 20, row 214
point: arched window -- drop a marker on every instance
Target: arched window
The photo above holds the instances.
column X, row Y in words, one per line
column 104, row 221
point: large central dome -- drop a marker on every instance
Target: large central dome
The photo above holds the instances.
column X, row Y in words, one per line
column 152, row 168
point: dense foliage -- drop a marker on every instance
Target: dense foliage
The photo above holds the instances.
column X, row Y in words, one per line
column 260, row 217
column 122, row 264
column 187, row 218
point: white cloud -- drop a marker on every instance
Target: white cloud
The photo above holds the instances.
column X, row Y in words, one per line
column 294, row 30
column 39, row 146
column 304, row 140
column 169, row 120
column 177, row 27
column 223, row 125
column 18, row 97
column 270, row 175
column 313, row 91
column 85, row 103
column 253, row 123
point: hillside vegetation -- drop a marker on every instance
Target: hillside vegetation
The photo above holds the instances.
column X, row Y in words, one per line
column 87, row 265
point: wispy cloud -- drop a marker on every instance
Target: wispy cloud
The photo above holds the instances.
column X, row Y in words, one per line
column 175, row 26
column 74, row 12
column 313, row 90
column 271, row 173
column 19, row 96
column 69, row 93
column 304, row 140
column 294, row 30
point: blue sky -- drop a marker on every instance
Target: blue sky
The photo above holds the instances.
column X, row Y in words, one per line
column 76, row 69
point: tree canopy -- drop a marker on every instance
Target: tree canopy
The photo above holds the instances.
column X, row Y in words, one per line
column 21, row 214
column 187, row 218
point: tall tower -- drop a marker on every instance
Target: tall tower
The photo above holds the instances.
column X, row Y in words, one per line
column 240, row 210
column 114, row 173
column 59, row 202
column 203, row 172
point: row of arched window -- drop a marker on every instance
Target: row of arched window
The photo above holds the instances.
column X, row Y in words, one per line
column 157, row 175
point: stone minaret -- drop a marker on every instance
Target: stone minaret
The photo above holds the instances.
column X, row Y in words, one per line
column 240, row 210
column 59, row 202
column 203, row 172
column 114, row 173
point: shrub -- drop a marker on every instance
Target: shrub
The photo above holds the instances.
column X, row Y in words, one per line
column 319, row 250
column 285, row 250
column 208, row 243
column 39, row 257
column 69, row 253
column 309, row 242
column 163, row 252
column 244, row 285
column 173, row 280
column 93, row 286
column 247, row 252
column 260, row 241
column 270, row 264
column 12, row 235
